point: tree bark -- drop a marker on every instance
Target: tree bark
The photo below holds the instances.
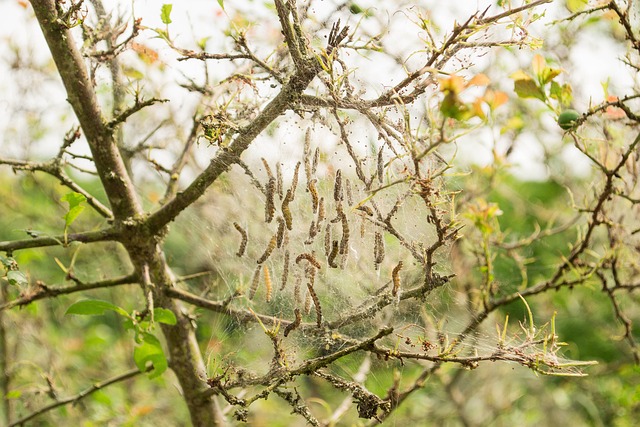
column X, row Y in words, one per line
column 185, row 356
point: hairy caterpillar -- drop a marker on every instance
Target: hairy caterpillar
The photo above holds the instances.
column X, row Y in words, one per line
column 312, row 233
column 395, row 275
column 316, row 158
column 344, row 243
column 327, row 239
column 380, row 165
column 333, row 254
column 366, row 209
column 286, row 211
column 316, row 303
column 267, row 168
column 310, row 273
column 293, row 325
column 279, row 185
column 349, row 193
column 270, row 206
column 294, row 182
column 280, row 232
column 243, row 242
column 285, row 272
column 339, row 213
column 270, row 247
column 314, row 194
column 267, row 284
column 337, row 189
column 255, row 282
column 378, row 250
column 309, row 257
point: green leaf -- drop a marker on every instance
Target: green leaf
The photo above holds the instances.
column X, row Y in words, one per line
column 576, row 5
column 165, row 13
column 150, row 351
column 221, row 3
column 75, row 208
column 165, row 316
column 527, row 88
column 94, row 307
column 17, row 278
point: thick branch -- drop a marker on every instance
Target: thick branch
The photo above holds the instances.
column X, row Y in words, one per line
column 108, row 234
column 82, row 98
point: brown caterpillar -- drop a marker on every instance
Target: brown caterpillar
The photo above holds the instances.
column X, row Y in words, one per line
column 280, row 232
column 309, row 257
column 327, row 239
column 286, row 211
column 293, row 325
column 378, row 250
column 270, row 247
column 366, row 209
column 243, row 242
column 349, row 193
column 339, row 213
column 285, row 272
column 344, row 243
column 337, row 189
column 294, row 182
column 316, row 303
column 380, row 165
column 316, row 158
column 270, row 206
column 255, row 282
column 310, row 273
column 267, row 284
column 395, row 275
column 333, row 254
column 279, row 185
column 314, row 194
column 313, row 230
column 267, row 168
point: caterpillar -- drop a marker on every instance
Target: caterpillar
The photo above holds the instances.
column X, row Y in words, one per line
column 327, row 239
column 270, row 206
column 293, row 325
column 380, row 165
column 309, row 257
column 395, row 275
column 279, row 185
column 270, row 247
column 314, row 194
column 243, row 242
column 366, row 209
column 286, row 211
column 285, row 272
column 344, row 243
column 349, row 193
column 378, row 250
column 333, row 254
column 255, row 282
column 267, row 168
column 310, row 273
column 316, row 303
column 316, row 158
column 339, row 213
column 337, row 189
column 294, row 182
column 267, row 284
column 280, row 232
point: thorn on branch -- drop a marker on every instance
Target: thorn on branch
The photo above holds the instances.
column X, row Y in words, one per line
column 139, row 105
